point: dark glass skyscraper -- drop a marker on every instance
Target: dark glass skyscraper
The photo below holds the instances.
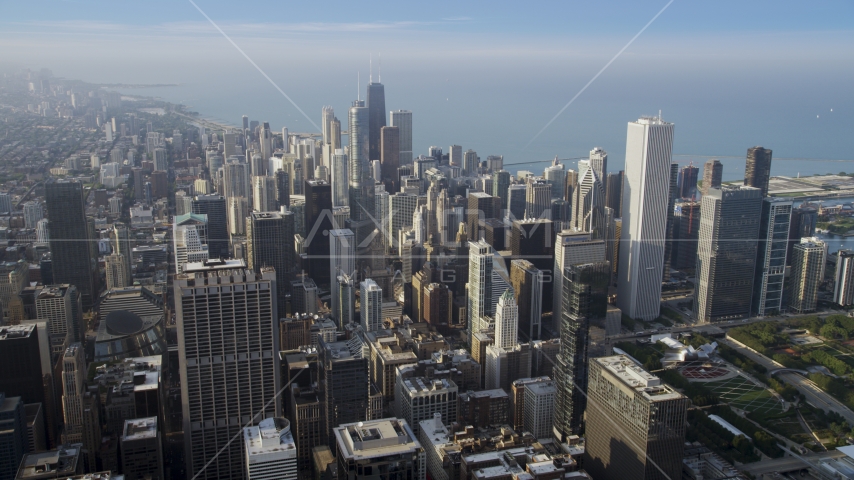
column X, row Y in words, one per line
column 688, row 181
column 283, row 188
column 584, row 299
column 214, row 207
column 318, row 224
column 757, row 171
column 500, row 187
column 614, row 193
column 270, row 243
column 689, row 227
column 376, row 114
column 726, row 255
column 69, row 238
column 669, row 233
column 480, row 207
column 343, row 380
column 712, row 173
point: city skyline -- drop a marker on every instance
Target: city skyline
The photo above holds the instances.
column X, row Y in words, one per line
column 549, row 241
column 720, row 48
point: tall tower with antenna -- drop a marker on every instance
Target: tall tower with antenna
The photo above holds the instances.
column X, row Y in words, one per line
column 376, row 113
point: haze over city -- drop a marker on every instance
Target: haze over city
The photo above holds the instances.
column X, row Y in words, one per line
column 426, row 241
column 729, row 74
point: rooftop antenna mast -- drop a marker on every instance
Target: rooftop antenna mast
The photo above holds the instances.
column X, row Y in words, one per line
column 380, row 79
column 358, row 86
column 659, row 115
column 371, row 68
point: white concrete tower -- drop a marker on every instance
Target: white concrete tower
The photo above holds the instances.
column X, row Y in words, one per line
column 506, row 320
column 649, row 144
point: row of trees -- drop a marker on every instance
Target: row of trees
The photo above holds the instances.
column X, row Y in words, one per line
column 719, row 439
column 761, row 336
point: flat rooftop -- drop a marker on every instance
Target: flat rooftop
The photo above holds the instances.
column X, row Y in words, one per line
column 541, row 388
column 636, row 378
column 215, row 264
column 140, row 428
column 494, row 393
column 272, row 435
column 60, row 463
column 365, row 440
column 417, row 385
column 16, row 331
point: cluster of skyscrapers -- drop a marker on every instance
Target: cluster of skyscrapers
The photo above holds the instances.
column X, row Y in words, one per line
column 344, row 305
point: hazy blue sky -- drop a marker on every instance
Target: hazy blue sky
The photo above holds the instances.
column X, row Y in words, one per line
column 483, row 75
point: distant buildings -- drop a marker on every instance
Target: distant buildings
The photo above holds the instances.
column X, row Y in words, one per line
column 688, row 181
column 757, row 171
column 712, row 175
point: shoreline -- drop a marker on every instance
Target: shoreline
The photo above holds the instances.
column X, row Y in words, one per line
column 177, row 108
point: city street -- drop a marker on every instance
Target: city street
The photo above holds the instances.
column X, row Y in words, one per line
column 785, row 464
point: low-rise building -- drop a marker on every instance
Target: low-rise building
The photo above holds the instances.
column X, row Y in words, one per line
column 517, row 399
column 418, row 398
column 483, row 408
column 539, row 408
column 64, row 462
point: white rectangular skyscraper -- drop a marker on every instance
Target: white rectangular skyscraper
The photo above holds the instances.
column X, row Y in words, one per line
column 479, row 285
column 649, row 144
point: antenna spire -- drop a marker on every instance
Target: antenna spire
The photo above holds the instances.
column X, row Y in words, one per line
column 371, row 69
column 358, row 86
column 659, row 115
column 380, row 79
